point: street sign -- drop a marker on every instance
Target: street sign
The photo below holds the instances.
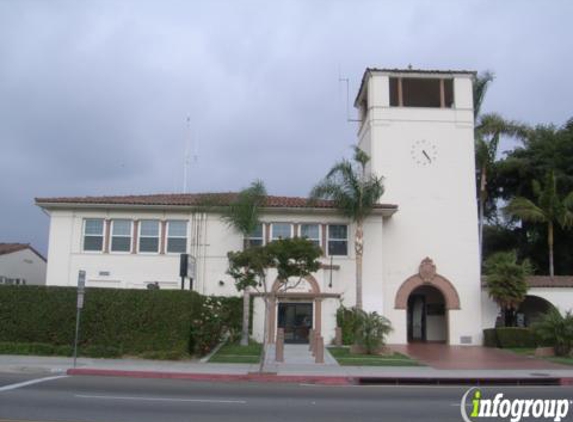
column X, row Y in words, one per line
column 81, row 281
column 191, row 266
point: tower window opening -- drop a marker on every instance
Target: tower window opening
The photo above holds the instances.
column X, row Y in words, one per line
column 421, row 92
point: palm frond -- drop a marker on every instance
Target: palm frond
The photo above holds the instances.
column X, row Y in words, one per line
column 526, row 210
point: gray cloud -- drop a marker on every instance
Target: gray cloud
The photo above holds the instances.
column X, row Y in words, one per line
column 94, row 95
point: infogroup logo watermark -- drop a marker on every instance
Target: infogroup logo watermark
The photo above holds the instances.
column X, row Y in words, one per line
column 474, row 407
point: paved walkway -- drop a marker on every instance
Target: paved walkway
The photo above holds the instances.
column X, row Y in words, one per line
column 442, row 356
column 296, row 354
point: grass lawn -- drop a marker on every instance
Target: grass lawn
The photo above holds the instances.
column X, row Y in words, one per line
column 527, row 351
column 344, row 358
column 235, row 353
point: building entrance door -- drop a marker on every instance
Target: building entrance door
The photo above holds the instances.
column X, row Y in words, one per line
column 417, row 318
column 296, row 320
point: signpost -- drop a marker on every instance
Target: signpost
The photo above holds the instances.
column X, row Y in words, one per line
column 80, row 306
column 187, row 268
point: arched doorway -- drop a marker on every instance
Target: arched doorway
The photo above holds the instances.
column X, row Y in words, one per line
column 531, row 309
column 427, row 298
column 426, row 315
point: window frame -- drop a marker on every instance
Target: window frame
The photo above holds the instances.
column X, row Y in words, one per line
column 319, row 239
column 167, row 237
column 248, row 238
column 140, row 236
column 329, row 239
column 111, row 236
column 271, row 234
column 84, row 235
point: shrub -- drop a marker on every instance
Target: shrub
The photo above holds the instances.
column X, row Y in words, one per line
column 347, row 320
column 490, row 337
column 371, row 330
column 115, row 321
column 511, row 337
column 556, row 330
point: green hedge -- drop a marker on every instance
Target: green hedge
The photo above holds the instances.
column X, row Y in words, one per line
column 346, row 319
column 511, row 337
column 117, row 321
column 490, row 337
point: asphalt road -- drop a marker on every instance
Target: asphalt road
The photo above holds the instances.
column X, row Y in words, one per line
column 108, row 399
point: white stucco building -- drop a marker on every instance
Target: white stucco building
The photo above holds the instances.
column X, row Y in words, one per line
column 21, row 264
column 421, row 264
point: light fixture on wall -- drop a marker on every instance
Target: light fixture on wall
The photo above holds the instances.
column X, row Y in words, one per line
column 221, row 283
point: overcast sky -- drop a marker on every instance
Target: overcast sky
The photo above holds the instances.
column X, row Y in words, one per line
column 94, row 95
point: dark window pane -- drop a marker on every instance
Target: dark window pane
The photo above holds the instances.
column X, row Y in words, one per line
column 93, row 243
column 394, row 101
column 177, row 244
column 254, row 242
column 120, row 244
column 337, row 231
column 337, row 247
column 148, row 244
column 449, row 92
column 421, row 92
column 94, row 226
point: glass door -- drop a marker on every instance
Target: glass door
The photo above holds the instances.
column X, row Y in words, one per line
column 296, row 320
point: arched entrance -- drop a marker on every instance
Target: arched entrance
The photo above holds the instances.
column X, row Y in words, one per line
column 296, row 307
column 427, row 298
column 426, row 315
column 531, row 309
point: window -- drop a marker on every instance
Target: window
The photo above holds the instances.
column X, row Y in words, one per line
column 337, row 239
column 120, row 235
column 93, row 234
column 176, row 236
column 149, row 236
column 422, row 92
column 311, row 232
column 256, row 238
column 281, row 231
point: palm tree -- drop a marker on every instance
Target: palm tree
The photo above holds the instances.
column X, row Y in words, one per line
column 506, row 282
column 549, row 209
column 243, row 216
column 488, row 130
column 355, row 194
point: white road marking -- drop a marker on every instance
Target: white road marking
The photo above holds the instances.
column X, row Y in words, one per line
column 86, row 396
column 31, row 382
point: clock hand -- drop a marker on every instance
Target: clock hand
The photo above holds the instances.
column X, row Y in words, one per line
column 427, row 156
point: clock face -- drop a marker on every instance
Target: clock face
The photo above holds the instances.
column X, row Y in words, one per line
column 424, row 153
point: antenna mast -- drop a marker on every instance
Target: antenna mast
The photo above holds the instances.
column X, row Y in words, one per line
column 186, row 157
column 346, row 81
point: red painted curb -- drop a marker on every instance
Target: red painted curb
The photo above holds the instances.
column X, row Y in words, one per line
column 322, row 380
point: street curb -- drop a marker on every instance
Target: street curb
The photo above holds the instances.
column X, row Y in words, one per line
column 325, row 379
column 298, row 379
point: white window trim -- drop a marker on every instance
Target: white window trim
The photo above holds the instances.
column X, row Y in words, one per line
column 186, row 237
column 82, row 246
column 319, row 232
column 327, row 253
column 139, row 251
column 280, row 222
column 111, row 236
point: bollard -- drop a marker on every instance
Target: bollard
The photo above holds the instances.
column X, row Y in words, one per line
column 338, row 337
column 280, row 346
column 310, row 339
column 319, row 348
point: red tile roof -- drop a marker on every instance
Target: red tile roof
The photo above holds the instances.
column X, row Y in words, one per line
column 7, row 248
column 191, row 199
column 547, row 281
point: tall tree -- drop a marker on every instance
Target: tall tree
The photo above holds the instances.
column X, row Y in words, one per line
column 355, row 193
column 506, row 284
column 549, row 209
column 488, row 130
column 243, row 215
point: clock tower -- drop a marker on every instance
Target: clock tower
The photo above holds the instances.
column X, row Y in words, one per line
column 418, row 128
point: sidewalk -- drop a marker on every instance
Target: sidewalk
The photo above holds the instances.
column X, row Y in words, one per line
column 285, row 372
